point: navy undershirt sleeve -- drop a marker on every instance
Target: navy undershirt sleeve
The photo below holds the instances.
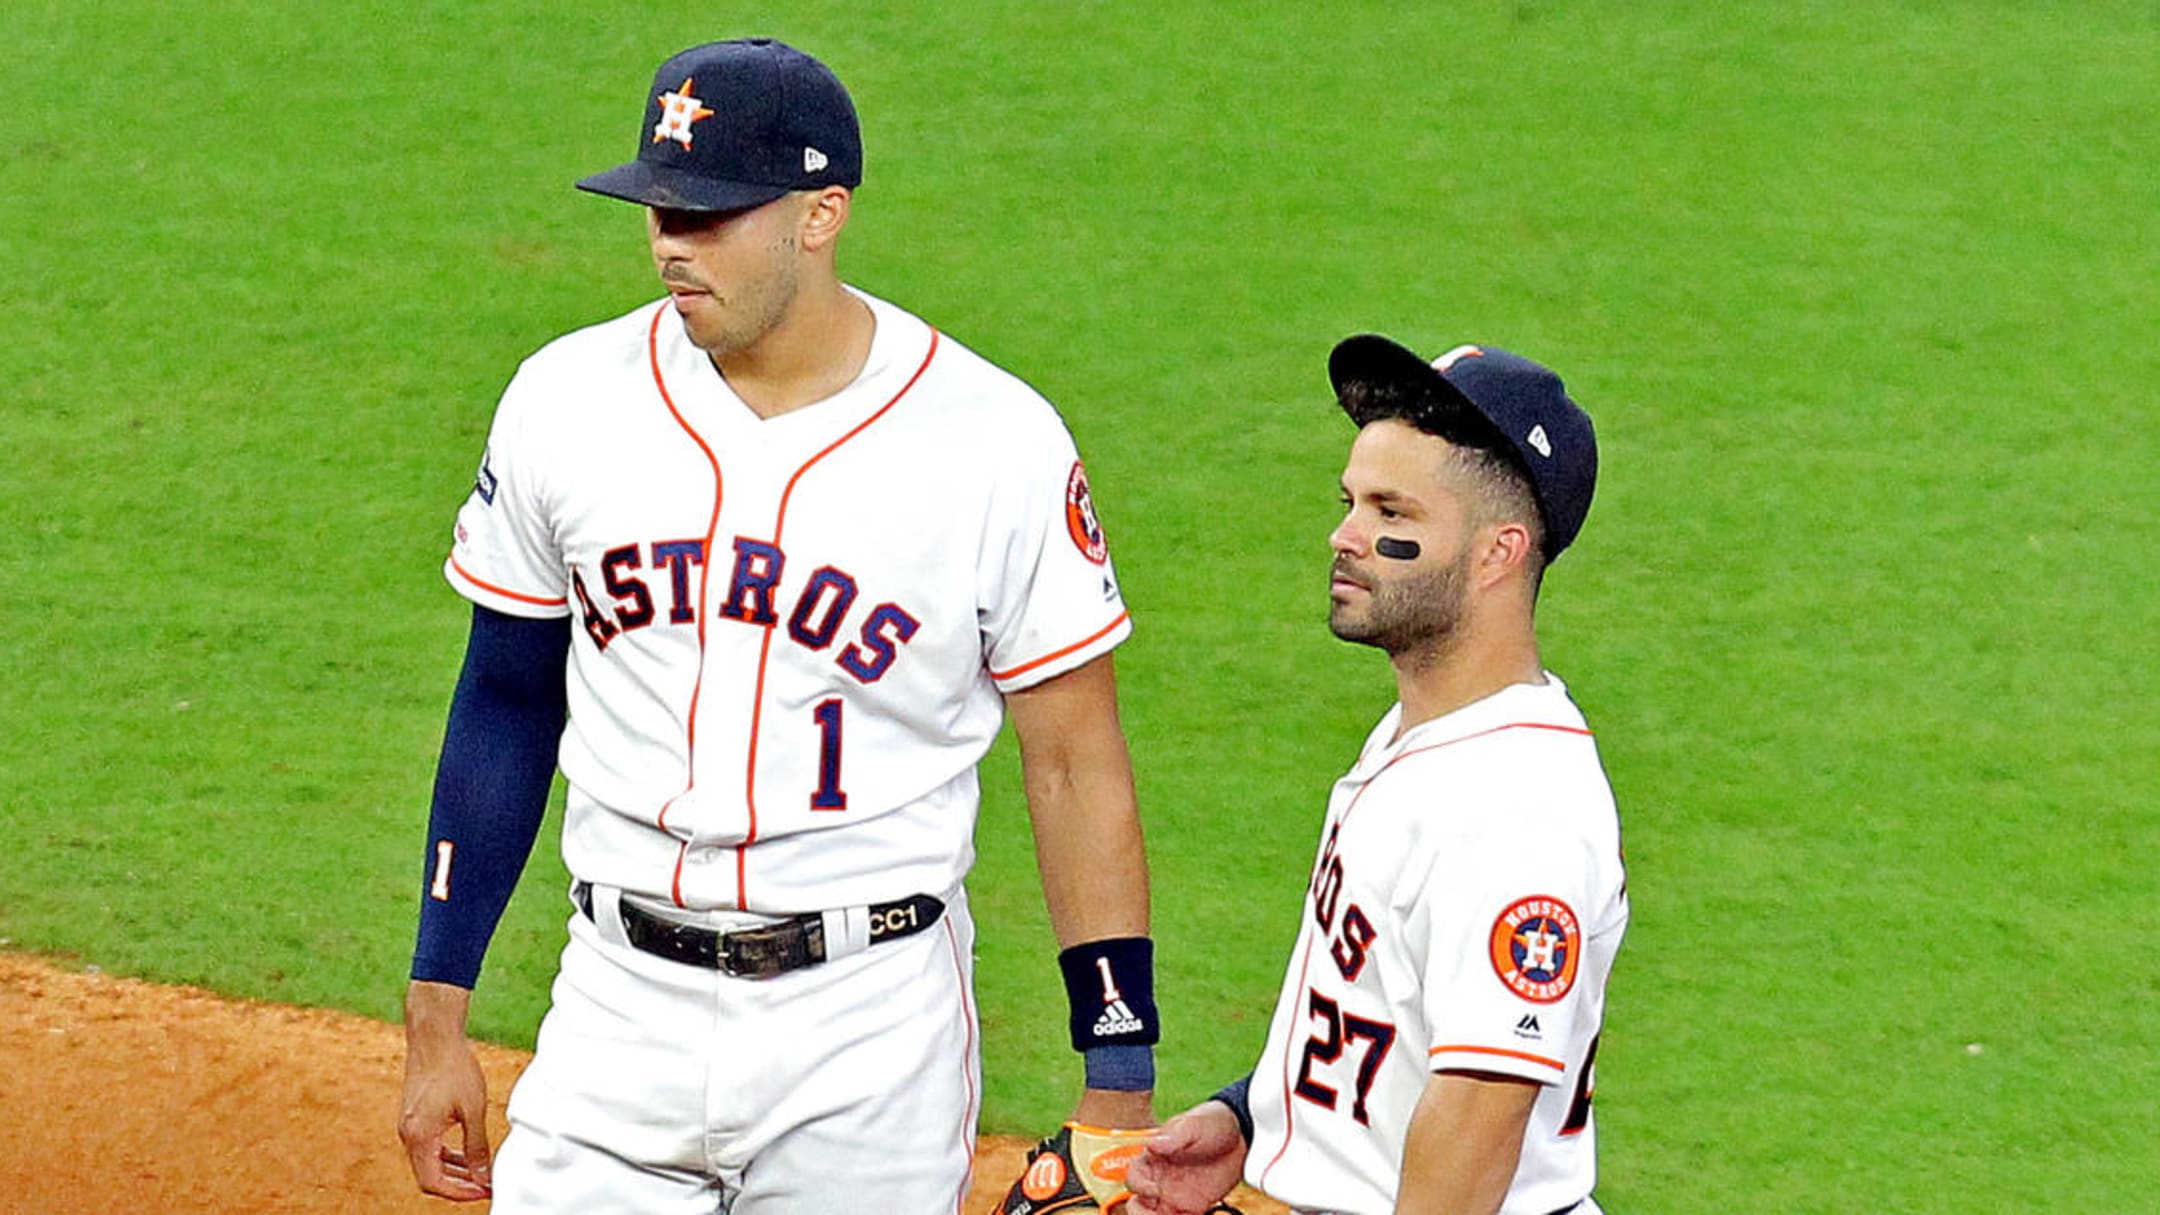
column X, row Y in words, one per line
column 491, row 786
column 1238, row 1096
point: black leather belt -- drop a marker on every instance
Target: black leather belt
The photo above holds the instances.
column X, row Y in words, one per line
column 765, row 951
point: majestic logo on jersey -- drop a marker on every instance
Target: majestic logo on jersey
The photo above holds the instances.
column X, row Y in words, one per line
column 1080, row 520
column 677, row 111
column 1536, row 946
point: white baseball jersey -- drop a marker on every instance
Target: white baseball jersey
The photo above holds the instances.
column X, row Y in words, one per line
column 1463, row 915
column 792, row 634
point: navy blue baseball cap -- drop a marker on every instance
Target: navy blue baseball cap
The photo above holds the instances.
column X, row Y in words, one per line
column 1548, row 432
column 730, row 125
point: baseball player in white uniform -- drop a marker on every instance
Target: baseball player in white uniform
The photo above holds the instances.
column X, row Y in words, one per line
column 1432, row 1047
column 764, row 564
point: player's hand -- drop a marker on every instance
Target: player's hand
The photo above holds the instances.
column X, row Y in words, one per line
column 1190, row 1164
column 444, row 1086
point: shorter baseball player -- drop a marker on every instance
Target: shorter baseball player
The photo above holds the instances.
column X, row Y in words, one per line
column 1432, row 1047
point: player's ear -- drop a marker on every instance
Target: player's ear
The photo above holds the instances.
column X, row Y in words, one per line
column 1504, row 551
column 823, row 218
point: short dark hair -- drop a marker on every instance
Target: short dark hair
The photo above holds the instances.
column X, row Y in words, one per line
column 1482, row 452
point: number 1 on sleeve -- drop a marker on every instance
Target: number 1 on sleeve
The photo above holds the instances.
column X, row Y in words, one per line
column 439, row 889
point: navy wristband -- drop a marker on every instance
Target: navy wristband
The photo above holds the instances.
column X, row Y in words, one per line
column 1111, row 988
column 1238, row 1096
column 1121, row 1069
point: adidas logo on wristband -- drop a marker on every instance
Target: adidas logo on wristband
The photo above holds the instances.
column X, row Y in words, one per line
column 1117, row 1019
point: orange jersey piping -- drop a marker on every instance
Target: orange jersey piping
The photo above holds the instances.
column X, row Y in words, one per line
column 757, row 704
column 1288, row 1097
column 1525, row 1056
column 1081, row 644
column 967, row 1018
column 712, row 525
column 505, row 592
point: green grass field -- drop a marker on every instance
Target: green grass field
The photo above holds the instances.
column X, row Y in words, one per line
column 1862, row 298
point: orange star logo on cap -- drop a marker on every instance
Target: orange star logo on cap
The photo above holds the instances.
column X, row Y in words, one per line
column 677, row 111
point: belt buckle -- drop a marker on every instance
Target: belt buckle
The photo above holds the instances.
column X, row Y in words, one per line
column 761, row 953
column 725, row 960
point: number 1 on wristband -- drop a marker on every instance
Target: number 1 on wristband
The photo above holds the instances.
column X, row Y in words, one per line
column 1110, row 993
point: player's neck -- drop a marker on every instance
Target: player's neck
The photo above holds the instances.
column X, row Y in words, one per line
column 1470, row 667
column 816, row 350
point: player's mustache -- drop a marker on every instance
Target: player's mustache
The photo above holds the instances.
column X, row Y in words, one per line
column 1345, row 569
column 670, row 276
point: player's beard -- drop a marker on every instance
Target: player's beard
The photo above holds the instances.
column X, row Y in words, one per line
column 1416, row 613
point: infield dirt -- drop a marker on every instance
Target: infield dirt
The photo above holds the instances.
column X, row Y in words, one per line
column 126, row 1095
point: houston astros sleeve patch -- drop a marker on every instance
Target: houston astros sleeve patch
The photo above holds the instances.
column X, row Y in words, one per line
column 1080, row 519
column 1536, row 946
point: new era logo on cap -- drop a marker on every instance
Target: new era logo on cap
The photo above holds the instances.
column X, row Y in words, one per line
column 731, row 125
column 1538, row 440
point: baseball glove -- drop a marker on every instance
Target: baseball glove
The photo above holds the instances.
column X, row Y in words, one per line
column 1080, row 1168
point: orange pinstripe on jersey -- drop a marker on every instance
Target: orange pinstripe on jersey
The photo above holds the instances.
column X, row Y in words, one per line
column 1081, row 644
column 1513, row 725
column 967, row 1018
column 1290, row 1103
column 504, row 591
column 712, row 524
column 1527, row 1057
column 757, row 702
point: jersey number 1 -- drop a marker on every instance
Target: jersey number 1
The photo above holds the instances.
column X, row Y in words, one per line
column 828, row 795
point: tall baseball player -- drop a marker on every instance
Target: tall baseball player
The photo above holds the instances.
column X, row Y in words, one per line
column 1431, row 1050
column 764, row 564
